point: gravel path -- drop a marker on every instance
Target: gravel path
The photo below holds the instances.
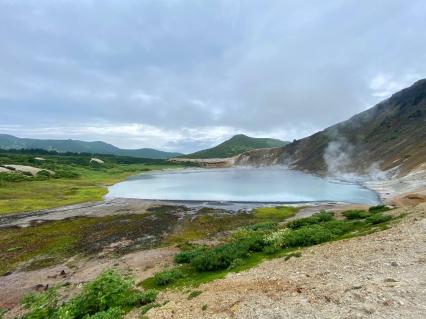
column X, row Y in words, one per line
column 382, row 275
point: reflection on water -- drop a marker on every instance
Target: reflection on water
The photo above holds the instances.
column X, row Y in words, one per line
column 240, row 185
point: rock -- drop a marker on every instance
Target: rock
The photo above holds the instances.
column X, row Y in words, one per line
column 41, row 287
column 96, row 160
column 390, row 280
column 394, row 264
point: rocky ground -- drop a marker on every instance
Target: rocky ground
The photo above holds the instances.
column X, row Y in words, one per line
column 376, row 276
column 382, row 275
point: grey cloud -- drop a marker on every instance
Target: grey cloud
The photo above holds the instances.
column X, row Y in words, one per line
column 247, row 65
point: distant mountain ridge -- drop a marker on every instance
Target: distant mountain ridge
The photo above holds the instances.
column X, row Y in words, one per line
column 390, row 135
column 77, row 146
column 236, row 145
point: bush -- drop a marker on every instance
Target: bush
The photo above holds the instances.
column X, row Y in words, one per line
column 40, row 306
column 185, row 257
column 355, row 214
column 307, row 236
column 112, row 313
column 12, row 177
column 222, row 256
column 167, row 277
column 378, row 209
column 338, row 227
column 314, row 219
column 378, row 218
column 109, row 296
column 66, row 174
column 276, row 239
column 262, row 226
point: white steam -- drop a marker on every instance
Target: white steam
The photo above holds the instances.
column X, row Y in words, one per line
column 340, row 158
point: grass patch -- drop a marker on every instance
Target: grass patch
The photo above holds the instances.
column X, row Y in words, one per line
column 167, row 277
column 208, row 222
column 277, row 213
column 76, row 179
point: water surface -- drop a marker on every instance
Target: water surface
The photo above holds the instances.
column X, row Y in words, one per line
column 240, row 185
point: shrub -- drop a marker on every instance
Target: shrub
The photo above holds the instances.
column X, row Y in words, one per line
column 66, row 174
column 378, row 218
column 262, row 226
column 276, row 239
column 43, row 173
column 107, row 297
column 108, row 290
column 222, row 256
column 185, row 257
column 40, row 306
column 271, row 250
column 307, row 236
column 355, row 214
column 338, row 227
column 112, row 313
column 314, row 219
column 167, row 277
column 12, row 177
column 378, row 209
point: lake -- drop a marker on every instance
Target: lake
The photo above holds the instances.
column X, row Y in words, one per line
column 264, row 185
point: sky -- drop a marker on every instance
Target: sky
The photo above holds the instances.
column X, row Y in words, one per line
column 182, row 75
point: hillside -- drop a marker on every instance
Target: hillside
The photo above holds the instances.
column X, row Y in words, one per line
column 390, row 135
column 236, row 145
column 76, row 146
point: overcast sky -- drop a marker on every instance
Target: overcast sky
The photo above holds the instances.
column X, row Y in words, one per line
column 185, row 74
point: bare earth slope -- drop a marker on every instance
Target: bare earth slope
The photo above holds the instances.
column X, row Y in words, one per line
column 390, row 135
column 382, row 275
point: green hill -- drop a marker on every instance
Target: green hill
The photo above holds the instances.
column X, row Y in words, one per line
column 75, row 146
column 236, row 145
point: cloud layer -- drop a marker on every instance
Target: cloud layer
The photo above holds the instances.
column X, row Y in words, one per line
column 180, row 75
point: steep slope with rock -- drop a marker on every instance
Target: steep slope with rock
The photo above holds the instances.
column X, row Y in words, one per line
column 391, row 136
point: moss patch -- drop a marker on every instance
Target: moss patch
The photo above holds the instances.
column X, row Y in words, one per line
column 276, row 213
column 51, row 242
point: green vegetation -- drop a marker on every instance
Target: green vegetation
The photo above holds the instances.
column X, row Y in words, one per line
column 11, row 142
column 194, row 294
column 109, row 296
column 52, row 242
column 251, row 244
column 275, row 213
column 355, row 214
column 314, row 219
column 76, row 179
column 167, row 277
column 378, row 209
column 237, row 145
